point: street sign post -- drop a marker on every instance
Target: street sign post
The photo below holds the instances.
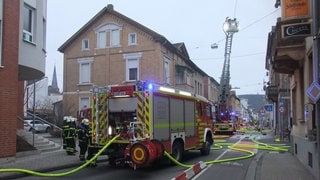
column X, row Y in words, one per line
column 268, row 107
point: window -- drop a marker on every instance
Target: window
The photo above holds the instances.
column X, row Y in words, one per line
column 195, row 87
column 166, row 70
column 132, row 66
column 85, row 44
column 102, row 39
column 85, row 70
column 28, row 23
column 115, row 38
column 132, row 73
column 132, row 39
column 44, row 34
column 108, row 35
column 188, row 75
column 84, row 102
column 179, row 76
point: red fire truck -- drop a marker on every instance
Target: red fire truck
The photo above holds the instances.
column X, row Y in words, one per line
column 150, row 119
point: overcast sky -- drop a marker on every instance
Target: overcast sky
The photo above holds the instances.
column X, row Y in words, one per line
column 198, row 24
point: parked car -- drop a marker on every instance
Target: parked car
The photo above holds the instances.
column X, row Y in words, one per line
column 36, row 125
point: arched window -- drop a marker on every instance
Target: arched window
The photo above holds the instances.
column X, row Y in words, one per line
column 108, row 35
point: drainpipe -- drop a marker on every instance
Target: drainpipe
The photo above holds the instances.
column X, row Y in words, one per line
column 315, row 56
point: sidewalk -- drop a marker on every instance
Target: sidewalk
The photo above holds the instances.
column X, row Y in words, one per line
column 283, row 166
column 42, row 162
column 277, row 165
column 270, row 165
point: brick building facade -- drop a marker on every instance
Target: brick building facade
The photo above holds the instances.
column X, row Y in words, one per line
column 9, row 86
column 114, row 49
column 21, row 59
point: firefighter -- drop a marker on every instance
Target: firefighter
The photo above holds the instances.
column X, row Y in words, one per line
column 83, row 137
column 64, row 128
column 73, row 135
column 69, row 135
column 85, row 142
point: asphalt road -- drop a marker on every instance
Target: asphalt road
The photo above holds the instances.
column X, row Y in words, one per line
column 162, row 171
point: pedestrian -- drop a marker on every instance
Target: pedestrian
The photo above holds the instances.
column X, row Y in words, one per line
column 83, row 138
column 69, row 133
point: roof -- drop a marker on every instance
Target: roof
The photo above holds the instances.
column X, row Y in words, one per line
column 109, row 10
column 178, row 48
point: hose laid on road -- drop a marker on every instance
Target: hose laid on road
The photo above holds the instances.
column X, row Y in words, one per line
column 237, row 147
column 219, row 145
column 63, row 173
column 251, row 154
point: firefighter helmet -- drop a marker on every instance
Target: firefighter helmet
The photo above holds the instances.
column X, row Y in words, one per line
column 85, row 122
column 72, row 119
column 66, row 118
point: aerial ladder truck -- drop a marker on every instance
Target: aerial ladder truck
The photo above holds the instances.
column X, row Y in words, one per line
column 224, row 111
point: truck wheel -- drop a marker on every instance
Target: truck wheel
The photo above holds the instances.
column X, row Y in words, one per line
column 206, row 148
column 177, row 151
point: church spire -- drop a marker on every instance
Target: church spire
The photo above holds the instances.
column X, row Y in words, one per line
column 54, row 89
column 54, row 83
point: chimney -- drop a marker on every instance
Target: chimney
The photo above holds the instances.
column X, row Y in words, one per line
column 110, row 6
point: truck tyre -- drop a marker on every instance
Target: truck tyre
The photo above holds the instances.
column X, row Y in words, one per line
column 205, row 150
column 177, row 151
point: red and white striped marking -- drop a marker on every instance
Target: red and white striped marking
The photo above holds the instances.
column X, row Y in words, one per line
column 189, row 173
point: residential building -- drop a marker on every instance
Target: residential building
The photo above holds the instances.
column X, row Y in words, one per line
column 292, row 86
column 114, row 49
column 22, row 50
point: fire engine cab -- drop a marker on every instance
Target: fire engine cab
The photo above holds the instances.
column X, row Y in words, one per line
column 150, row 119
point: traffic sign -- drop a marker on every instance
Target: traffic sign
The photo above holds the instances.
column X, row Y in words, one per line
column 268, row 107
column 282, row 109
column 313, row 91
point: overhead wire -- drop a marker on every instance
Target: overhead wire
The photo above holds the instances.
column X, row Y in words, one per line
column 251, row 24
column 239, row 56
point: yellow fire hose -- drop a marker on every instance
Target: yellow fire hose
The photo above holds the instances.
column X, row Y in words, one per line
column 219, row 145
column 63, row 173
column 237, row 147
